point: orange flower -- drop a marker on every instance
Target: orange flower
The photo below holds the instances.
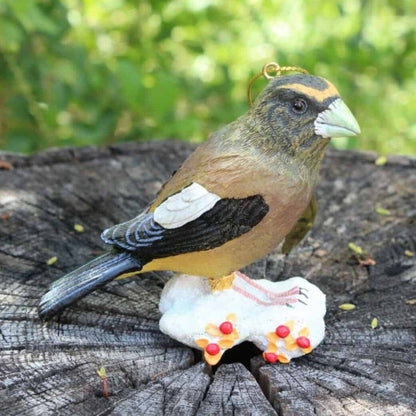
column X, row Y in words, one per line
column 272, row 357
column 285, row 333
column 226, row 330
column 211, row 354
column 301, row 341
column 227, row 334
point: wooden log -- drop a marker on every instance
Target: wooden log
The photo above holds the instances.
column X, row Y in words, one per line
column 51, row 368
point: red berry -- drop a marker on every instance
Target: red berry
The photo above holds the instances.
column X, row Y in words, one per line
column 226, row 327
column 212, row 349
column 271, row 357
column 282, row 331
column 303, row 342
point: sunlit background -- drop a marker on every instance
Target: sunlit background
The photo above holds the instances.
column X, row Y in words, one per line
column 79, row 72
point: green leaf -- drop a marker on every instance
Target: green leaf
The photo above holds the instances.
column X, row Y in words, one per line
column 102, row 372
column 355, row 248
column 11, row 36
column 130, row 80
column 346, row 306
column 31, row 16
column 79, row 228
column 382, row 211
column 381, row 161
column 52, row 261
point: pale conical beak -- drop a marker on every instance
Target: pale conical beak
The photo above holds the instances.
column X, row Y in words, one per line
column 336, row 121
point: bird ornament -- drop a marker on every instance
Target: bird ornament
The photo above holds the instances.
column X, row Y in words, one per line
column 248, row 188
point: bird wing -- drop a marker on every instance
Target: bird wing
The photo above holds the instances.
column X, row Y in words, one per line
column 191, row 220
column 302, row 226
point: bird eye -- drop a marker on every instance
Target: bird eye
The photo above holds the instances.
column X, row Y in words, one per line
column 299, row 105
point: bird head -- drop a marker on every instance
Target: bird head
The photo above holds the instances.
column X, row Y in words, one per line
column 299, row 114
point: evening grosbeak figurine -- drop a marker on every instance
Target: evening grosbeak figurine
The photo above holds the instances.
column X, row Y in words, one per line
column 233, row 200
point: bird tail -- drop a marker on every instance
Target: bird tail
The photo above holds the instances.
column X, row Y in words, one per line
column 84, row 280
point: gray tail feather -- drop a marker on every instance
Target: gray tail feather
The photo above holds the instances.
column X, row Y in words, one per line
column 84, row 280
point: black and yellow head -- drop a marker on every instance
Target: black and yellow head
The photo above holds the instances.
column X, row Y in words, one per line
column 300, row 113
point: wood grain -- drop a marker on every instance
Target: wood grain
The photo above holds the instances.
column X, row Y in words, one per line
column 51, row 368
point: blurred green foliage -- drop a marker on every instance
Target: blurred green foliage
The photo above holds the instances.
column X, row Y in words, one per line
column 76, row 72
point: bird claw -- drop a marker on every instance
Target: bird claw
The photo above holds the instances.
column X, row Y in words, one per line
column 252, row 290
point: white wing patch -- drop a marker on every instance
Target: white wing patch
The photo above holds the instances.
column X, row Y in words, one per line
column 185, row 206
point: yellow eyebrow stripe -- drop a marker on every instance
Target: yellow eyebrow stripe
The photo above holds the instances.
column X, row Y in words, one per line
column 330, row 91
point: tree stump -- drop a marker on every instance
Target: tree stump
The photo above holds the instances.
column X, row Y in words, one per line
column 51, row 368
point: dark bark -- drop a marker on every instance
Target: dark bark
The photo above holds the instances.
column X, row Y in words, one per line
column 51, row 368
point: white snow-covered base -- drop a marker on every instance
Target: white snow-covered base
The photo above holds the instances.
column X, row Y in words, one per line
column 283, row 319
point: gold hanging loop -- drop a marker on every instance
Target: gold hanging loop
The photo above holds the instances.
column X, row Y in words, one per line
column 250, row 85
column 270, row 68
column 267, row 71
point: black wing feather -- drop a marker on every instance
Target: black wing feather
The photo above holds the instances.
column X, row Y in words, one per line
column 227, row 219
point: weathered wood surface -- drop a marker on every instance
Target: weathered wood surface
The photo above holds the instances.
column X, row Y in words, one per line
column 50, row 368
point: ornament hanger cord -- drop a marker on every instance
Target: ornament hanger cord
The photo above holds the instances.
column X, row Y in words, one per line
column 268, row 69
